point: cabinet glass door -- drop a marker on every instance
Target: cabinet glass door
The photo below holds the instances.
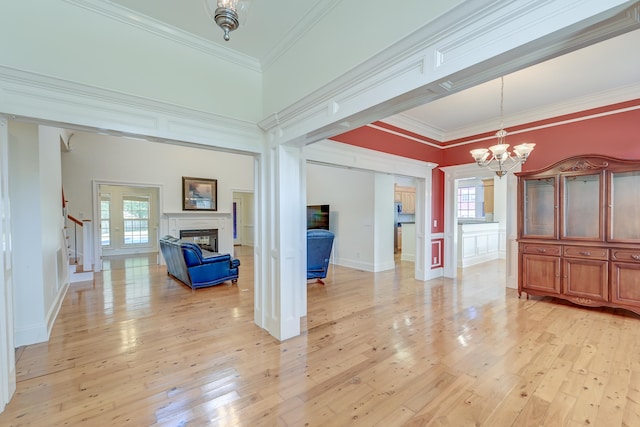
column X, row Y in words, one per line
column 624, row 201
column 582, row 215
column 539, row 208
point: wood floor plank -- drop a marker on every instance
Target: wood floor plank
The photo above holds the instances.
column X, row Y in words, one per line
column 136, row 348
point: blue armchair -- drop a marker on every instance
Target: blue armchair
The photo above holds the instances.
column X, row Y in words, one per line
column 319, row 244
column 186, row 263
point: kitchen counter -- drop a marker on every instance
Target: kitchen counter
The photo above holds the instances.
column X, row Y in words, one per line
column 479, row 241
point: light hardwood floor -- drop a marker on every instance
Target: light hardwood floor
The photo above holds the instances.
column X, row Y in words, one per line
column 137, row 348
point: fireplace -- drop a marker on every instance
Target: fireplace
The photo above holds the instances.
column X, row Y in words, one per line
column 207, row 239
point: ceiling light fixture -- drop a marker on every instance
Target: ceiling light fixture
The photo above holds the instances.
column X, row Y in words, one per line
column 496, row 158
column 226, row 13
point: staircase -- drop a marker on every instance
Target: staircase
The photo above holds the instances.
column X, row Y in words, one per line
column 79, row 249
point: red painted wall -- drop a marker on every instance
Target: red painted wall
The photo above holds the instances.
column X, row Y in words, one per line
column 374, row 139
column 616, row 133
column 437, row 201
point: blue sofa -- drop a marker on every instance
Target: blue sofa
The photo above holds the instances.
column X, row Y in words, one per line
column 186, row 263
column 319, row 244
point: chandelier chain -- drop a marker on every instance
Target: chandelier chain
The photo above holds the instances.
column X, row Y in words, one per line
column 497, row 157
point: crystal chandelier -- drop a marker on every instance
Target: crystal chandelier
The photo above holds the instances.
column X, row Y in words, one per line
column 225, row 13
column 497, row 157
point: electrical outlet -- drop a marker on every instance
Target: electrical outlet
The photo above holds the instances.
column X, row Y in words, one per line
column 435, row 223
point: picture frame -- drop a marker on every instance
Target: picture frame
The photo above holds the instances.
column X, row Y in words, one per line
column 199, row 194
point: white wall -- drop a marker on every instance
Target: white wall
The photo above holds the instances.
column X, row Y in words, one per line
column 7, row 346
column 54, row 257
column 36, row 230
column 364, row 231
column 127, row 160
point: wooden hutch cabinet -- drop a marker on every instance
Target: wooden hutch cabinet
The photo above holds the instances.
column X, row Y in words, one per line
column 579, row 232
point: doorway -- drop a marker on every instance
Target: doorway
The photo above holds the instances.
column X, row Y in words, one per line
column 127, row 225
column 452, row 248
column 242, row 217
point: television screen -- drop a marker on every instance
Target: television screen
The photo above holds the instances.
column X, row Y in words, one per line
column 318, row 217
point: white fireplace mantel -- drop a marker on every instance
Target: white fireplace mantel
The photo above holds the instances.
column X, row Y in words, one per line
column 187, row 220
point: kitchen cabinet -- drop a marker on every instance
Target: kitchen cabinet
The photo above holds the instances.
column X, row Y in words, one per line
column 406, row 196
column 578, row 232
column 487, row 185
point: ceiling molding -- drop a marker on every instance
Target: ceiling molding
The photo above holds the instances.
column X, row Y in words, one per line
column 404, row 74
column 397, row 55
column 557, row 118
column 549, row 124
column 162, row 29
column 567, row 107
column 303, row 26
column 74, row 105
column 404, row 135
column 619, row 21
column 331, row 153
column 410, row 124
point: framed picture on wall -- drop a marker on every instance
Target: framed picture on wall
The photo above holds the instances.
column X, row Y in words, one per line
column 199, row 194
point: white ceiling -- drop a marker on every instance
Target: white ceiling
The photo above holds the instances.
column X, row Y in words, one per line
column 605, row 73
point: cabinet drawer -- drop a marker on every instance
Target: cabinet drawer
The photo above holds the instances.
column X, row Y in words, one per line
column 531, row 248
column 626, row 255
column 586, row 252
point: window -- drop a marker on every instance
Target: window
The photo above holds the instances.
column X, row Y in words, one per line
column 135, row 214
column 467, row 202
column 105, row 230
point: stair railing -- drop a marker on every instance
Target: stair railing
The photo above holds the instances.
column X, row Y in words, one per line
column 76, row 223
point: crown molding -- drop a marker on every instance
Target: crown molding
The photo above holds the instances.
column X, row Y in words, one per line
column 162, row 29
column 302, row 27
column 327, row 152
column 419, row 127
column 576, row 105
column 45, row 99
column 462, row 48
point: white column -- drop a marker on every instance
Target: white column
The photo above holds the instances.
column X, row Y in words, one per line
column 383, row 258
column 424, row 197
column 87, row 244
column 512, row 230
column 7, row 347
column 281, row 299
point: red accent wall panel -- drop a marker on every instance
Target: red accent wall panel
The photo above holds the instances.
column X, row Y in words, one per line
column 437, row 252
column 616, row 135
column 437, row 201
column 375, row 139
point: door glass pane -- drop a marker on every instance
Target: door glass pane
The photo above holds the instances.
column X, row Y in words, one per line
column 135, row 213
column 625, row 199
column 582, row 206
column 105, row 229
column 539, row 207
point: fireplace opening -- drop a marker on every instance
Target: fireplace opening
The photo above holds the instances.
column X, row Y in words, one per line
column 207, row 239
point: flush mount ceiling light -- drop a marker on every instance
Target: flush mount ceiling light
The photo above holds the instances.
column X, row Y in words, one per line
column 226, row 13
column 496, row 158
